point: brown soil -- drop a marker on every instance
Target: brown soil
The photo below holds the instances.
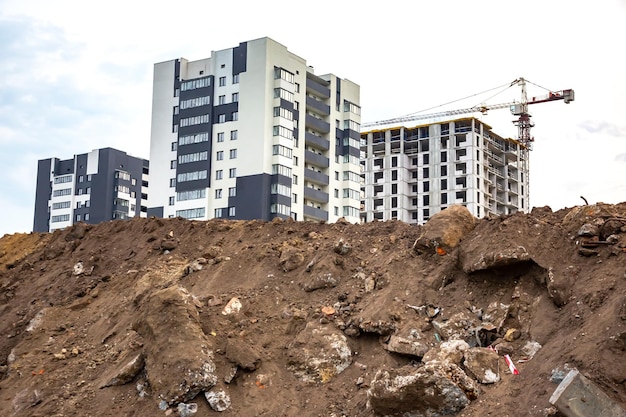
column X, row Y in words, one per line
column 64, row 332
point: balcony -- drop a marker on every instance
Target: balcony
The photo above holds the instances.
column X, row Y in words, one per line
column 316, row 177
column 314, row 87
column 315, row 213
column 317, row 106
column 315, row 195
column 316, row 159
column 318, row 142
column 316, row 124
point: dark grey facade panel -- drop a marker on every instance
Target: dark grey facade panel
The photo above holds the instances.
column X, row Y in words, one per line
column 317, row 124
column 226, row 109
column 318, row 105
column 353, row 151
column 253, row 197
column 288, row 105
column 176, row 77
column 338, row 95
column 281, row 179
column 64, row 167
column 155, row 212
column 199, row 92
column 240, row 58
column 316, row 213
column 195, row 111
column 43, row 193
column 349, row 133
column 316, row 141
column 280, row 199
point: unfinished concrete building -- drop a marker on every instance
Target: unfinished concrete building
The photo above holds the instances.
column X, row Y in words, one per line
column 409, row 174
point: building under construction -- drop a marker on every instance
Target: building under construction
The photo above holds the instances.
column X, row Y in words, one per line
column 409, row 174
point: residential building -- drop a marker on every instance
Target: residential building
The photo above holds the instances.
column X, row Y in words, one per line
column 411, row 173
column 104, row 184
column 252, row 133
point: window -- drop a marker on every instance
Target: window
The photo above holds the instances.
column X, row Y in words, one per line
column 235, row 116
column 86, row 216
column 63, row 204
column 194, row 84
column 191, row 194
column 66, row 178
column 233, row 153
column 220, row 137
column 295, row 180
column 219, row 174
column 336, row 210
column 351, row 176
column 284, row 94
column 444, row 184
column 425, row 200
column 81, row 178
column 394, row 188
column 281, row 73
column 232, row 173
column 394, row 175
column 194, row 138
column 232, row 192
column 394, row 161
column 218, row 213
column 218, row 193
column 297, row 88
column 60, row 218
column 349, row 211
column 281, row 170
column 444, row 156
column 295, row 161
column 336, row 193
column 195, row 120
column 425, row 173
column 173, row 164
column 425, row 159
column 294, row 198
column 221, row 100
column 235, row 97
column 222, row 81
column 233, row 135
column 426, row 186
column 219, row 155
column 193, row 213
column 283, row 131
column 337, row 175
column 236, row 79
column 88, row 177
column 283, row 112
column 281, row 150
column 65, row 191
column 444, row 198
column 352, row 125
column 192, row 176
column 231, row 212
column 172, row 182
column 171, row 201
column 351, row 107
column 133, row 194
column 176, row 110
column 193, row 157
column 133, row 181
column 444, row 171
column 195, row 102
column 280, row 189
column 221, row 118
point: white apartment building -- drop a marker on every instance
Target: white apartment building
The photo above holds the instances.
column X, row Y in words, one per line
column 253, row 133
column 411, row 173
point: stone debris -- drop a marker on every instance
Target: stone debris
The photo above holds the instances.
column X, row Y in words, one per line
column 320, row 282
column 512, row 335
column 444, row 230
column 78, row 268
column 472, row 261
column 219, row 400
column 243, row 355
column 451, row 351
column 127, row 372
column 455, row 327
column 431, row 390
column 483, row 364
column 412, row 344
column 185, row 410
column 342, row 248
column 318, row 354
column 232, row 307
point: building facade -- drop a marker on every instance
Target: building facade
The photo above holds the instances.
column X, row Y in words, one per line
column 253, row 133
column 104, row 184
column 409, row 174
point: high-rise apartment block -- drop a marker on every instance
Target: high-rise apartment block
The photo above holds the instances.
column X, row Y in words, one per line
column 104, row 184
column 412, row 173
column 253, row 133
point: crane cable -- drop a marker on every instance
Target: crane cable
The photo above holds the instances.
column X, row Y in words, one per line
column 508, row 85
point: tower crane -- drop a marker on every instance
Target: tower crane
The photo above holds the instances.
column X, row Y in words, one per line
column 520, row 109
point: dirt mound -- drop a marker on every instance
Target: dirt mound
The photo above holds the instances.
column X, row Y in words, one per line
column 250, row 318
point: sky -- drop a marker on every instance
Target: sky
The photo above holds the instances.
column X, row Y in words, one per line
column 77, row 75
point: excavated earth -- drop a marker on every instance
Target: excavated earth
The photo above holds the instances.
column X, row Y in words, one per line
column 158, row 317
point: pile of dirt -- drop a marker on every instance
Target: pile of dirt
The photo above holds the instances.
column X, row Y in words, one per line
column 249, row 318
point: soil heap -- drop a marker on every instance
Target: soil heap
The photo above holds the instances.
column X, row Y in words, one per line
column 158, row 317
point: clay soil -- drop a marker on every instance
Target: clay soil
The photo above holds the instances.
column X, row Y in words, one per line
column 69, row 303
